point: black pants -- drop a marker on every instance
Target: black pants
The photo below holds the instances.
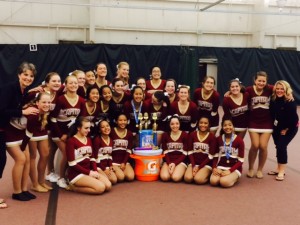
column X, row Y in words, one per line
column 281, row 143
column 2, row 152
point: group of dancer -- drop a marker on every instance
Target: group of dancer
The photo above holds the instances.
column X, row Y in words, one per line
column 95, row 122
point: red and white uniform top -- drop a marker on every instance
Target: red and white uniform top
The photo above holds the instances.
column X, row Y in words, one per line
column 259, row 115
column 151, row 87
column 103, row 152
column 188, row 119
column 122, row 146
column 79, row 156
column 118, row 105
column 208, row 107
column 230, row 157
column 91, row 115
column 201, row 151
column 64, row 115
column 99, row 85
column 34, row 131
column 175, row 150
column 238, row 112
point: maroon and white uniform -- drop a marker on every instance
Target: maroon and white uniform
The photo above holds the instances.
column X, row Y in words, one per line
column 160, row 87
column 147, row 95
column 174, row 98
column 79, row 156
column 99, row 85
column 201, row 152
column 64, row 115
column 102, row 152
column 188, row 119
column 121, row 146
column 15, row 131
column 208, row 107
column 117, row 106
column 259, row 116
column 106, row 114
column 175, row 150
column 34, row 131
column 92, row 116
column 238, row 113
column 133, row 117
column 161, row 113
column 230, row 158
column 81, row 91
column 33, row 94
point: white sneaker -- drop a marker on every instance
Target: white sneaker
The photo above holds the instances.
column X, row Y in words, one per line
column 52, row 177
column 62, row 183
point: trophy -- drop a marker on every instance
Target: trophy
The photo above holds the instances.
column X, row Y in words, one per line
column 140, row 119
column 146, row 117
column 154, row 128
column 154, row 118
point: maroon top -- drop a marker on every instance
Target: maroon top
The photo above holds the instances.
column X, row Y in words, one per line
column 175, row 150
column 117, row 107
column 186, row 119
column 33, row 129
column 121, row 146
column 64, row 114
column 208, row 107
column 161, row 87
column 201, row 152
column 238, row 113
column 79, row 156
column 259, row 115
column 102, row 152
column 236, row 154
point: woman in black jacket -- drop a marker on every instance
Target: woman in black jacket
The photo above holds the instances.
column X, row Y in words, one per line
column 11, row 108
column 284, row 114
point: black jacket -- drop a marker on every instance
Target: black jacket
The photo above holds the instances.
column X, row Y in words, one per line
column 11, row 102
column 285, row 113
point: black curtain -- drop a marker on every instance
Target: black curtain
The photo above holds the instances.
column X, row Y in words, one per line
column 178, row 62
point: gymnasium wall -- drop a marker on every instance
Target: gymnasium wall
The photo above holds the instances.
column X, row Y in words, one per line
column 232, row 23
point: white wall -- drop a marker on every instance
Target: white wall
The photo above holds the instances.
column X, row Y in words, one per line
column 233, row 23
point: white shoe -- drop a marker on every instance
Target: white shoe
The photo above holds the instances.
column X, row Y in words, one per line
column 62, row 183
column 52, row 177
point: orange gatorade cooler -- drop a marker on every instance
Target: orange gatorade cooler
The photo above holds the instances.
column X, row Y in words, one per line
column 147, row 168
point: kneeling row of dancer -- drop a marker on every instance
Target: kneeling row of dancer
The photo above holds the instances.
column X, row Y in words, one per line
column 199, row 156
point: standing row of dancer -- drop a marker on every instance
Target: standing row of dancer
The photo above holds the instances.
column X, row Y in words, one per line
column 32, row 121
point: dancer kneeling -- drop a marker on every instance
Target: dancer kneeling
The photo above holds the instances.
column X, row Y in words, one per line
column 202, row 147
column 82, row 171
column 227, row 164
column 103, row 151
column 174, row 145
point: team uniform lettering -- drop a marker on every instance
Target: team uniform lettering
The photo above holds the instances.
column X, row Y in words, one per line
column 174, row 146
column 238, row 111
column 200, row 146
column 185, row 118
column 205, row 105
column 85, row 150
column 119, row 143
column 233, row 151
column 69, row 112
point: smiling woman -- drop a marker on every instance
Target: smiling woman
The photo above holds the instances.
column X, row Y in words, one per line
column 285, row 124
column 12, row 129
